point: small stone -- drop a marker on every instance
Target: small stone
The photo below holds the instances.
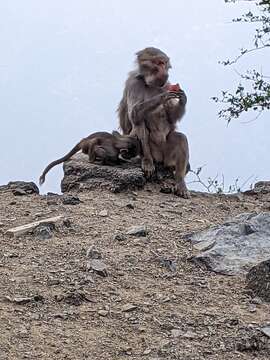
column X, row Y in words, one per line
column 75, row 298
column 176, row 333
column 147, row 352
column 92, row 253
column 67, row 223
column 52, row 282
column 2, row 224
column 119, row 237
column 164, row 344
column 44, row 231
column 165, row 300
column 168, row 264
column 103, row 213
column 129, row 308
column 137, row 230
column 19, row 300
column 103, row 313
column 98, row 266
column 24, row 300
column 130, row 206
column 127, row 350
column 190, row 335
column 52, row 194
column 256, row 300
column 70, row 200
column 252, row 308
column 11, row 255
column 89, row 279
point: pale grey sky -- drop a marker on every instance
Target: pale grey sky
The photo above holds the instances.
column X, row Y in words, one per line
column 63, row 65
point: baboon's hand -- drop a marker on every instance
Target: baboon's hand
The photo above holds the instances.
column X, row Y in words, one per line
column 182, row 97
column 170, row 95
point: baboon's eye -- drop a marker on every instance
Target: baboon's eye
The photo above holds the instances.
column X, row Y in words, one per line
column 159, row 62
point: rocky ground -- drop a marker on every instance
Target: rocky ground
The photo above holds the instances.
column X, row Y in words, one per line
column 85, row 289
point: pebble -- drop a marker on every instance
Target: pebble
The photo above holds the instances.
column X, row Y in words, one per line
column 93, row 253
column 103, row 213
column 24, row 300
column 256, row 301
column 98, row 266
column 137, row 230
column 129, row 307
column 119, row 237
column 103, row 313
column 252, row 308
column 176, row 333
column 70, row 200
column 130, row 206
column 44, row 232
column 168, row 264
column 147, row 352
column 190, row 335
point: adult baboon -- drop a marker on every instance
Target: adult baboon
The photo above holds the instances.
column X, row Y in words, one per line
column 147, row 108
column 108, row 149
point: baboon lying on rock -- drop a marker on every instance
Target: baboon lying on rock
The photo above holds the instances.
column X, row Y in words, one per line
column 106, row 148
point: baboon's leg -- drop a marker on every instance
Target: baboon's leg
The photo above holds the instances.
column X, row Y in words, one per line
column 180, row 172
column 177, row 155
column 147, row 161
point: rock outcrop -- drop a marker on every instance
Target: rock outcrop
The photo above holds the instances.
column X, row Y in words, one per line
column 81, row 175
column 236, row 245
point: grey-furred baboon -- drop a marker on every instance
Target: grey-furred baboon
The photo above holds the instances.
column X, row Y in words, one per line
column 150, row 110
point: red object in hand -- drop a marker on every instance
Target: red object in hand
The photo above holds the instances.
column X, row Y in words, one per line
column 174, row 88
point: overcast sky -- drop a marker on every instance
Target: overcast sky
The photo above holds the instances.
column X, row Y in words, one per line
column 63, row 65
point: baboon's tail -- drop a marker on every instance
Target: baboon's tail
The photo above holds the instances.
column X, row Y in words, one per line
column 59, row 161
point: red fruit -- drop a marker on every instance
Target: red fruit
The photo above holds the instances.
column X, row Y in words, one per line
column 174, row 88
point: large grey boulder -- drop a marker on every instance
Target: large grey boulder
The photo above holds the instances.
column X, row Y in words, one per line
column 235, row 246
column 80, row 174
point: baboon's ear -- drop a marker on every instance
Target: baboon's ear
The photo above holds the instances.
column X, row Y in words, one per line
column 116, row 133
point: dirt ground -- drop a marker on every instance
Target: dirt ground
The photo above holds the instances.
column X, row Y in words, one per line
column 53, row 306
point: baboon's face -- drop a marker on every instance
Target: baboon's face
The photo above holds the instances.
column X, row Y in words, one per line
column 155, row 71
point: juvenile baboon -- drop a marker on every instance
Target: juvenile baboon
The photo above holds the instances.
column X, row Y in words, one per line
column 146, row 100
column 106, row 148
